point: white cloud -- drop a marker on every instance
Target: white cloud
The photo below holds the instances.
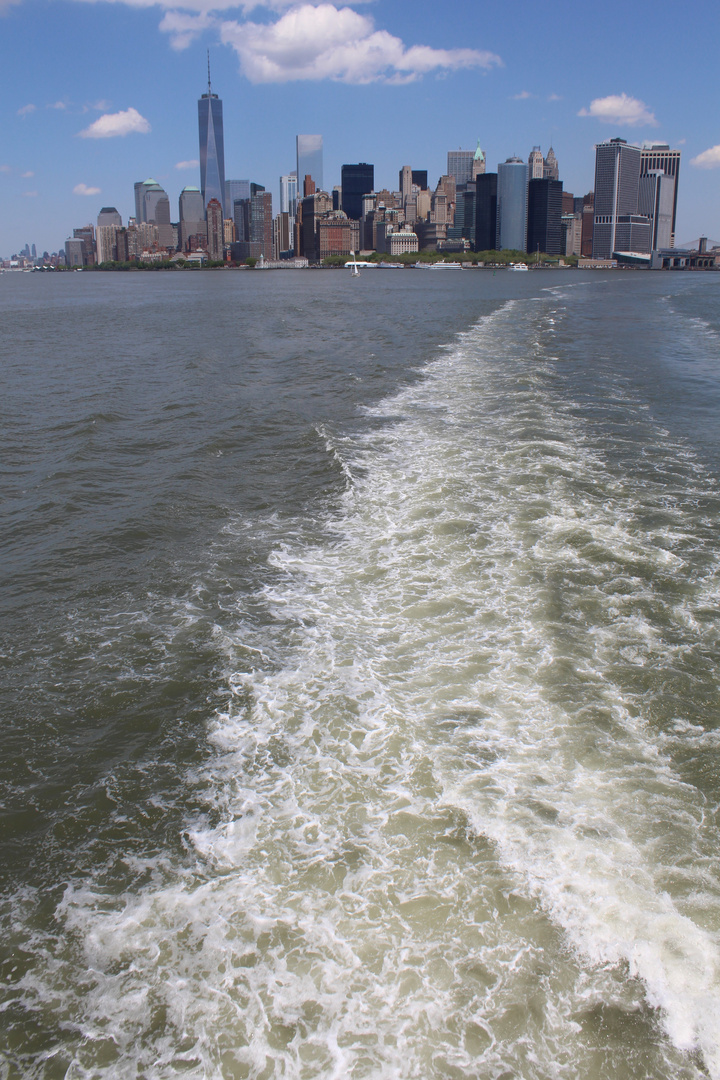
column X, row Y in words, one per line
column 26, row 110
column 30, row 194
column 192, row 164
column 83, row 189
column 709, row 159
column 27, row 175
column 620, row 109
column 4, row 168
column 57, row 105
column 554, row 97
column 522, row 96
column 113, row 124
column 325, row 42
column 207, row 6
column 184, row 29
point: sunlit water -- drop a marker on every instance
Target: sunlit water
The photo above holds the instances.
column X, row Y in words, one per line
column 361, row 676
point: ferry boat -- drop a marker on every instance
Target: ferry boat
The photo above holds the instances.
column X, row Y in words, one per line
column 517, row 266
column 439, row 266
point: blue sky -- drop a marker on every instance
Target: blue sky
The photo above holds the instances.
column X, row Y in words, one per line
column 100, row 93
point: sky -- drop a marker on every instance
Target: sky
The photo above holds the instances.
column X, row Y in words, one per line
column 100, row 93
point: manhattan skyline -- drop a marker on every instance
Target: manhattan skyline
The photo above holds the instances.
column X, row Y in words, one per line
column 443, row 80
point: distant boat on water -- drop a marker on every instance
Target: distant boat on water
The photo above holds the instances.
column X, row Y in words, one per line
column 518, row 266
column 439, row 266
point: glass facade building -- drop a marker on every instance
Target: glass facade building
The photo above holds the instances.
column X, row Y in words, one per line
column 356, row 181
column 288, row 194
column 212, row 147
column 486, row 212
column 544, row 230
column 512, row 196
column 309, row 150
column 192, row 216
column 460, row 165
column 235, row 190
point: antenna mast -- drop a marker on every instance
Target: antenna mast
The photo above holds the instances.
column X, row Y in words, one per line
column 208, row 56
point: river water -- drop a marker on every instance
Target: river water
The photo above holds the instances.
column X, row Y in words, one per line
column 360, row 676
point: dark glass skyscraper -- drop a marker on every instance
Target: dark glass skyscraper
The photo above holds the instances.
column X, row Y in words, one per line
column 544, row 230
column 356, row 181
column 486, row 212
column 212, row 146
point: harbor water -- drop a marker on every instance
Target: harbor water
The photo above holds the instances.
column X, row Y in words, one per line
column 360, row 662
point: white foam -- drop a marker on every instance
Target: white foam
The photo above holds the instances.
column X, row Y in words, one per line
column 444, row 825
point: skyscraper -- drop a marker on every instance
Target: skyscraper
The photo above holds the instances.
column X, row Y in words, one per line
column 109, row 216
column 106, row 242
column 215, row 234
column 212, row 146
column 659, row 156
column 551, row 169
column 536, row 164
column 152, row 207
column 486, row 212
column 544, row 231
column 288, row 194
column 618, row 226
column 309, row 150
column 460, row 165
column 656, row 199
column 235, row 190
column 192, row 217
column 512, row 196
column 356, row 181
column 478, row 167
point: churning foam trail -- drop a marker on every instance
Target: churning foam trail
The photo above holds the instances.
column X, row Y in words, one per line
column 471, row 656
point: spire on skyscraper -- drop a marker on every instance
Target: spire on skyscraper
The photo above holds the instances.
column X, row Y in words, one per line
column 212, row 146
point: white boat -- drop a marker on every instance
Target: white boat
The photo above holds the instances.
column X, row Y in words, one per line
column 354, row 272
column 517, row 266
column 439, row 266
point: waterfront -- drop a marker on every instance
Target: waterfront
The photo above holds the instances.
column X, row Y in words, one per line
column 360, row 675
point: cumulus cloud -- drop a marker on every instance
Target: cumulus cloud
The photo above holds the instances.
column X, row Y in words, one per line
column 26, row 110
column 57, row 105
column 83, row 189
column 29, row 194
column 27, row 175
column 620, row 109
column 325, row 42
column 4, row 168
column 207, row 6
column 709, row 159
column 554, row 97
column 183, row 28
column 113, row 124
column 192, row 164
column 522, row 96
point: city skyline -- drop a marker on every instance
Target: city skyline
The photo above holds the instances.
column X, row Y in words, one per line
column 511, row 87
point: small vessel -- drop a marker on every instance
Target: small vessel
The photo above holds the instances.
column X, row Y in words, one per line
column 517, row 266
column 354, row 272
column 439, row 266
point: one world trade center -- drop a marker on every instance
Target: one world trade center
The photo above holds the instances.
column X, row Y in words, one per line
column 212, row 147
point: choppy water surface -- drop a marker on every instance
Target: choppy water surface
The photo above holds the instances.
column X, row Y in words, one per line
column 360, row 676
